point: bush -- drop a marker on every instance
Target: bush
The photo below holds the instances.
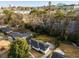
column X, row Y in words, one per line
column 77, row 36
column 19, row 49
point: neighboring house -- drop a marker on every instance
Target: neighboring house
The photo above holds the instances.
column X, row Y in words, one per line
column 22, row 12
column 9, row 31
column 6, row 29
column 76, row 7
column 58, row 53
column 14, row 35
column 3, row 36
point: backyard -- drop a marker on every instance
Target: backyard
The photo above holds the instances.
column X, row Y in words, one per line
column 54, row 24
column 68, row 48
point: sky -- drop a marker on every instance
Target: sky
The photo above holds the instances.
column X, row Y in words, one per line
column 33, row 3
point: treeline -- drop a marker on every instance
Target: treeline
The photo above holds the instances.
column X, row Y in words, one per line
column 60, row 25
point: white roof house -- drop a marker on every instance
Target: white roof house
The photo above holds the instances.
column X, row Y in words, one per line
column 22, row 12
column 76, row 7
column 41, row 46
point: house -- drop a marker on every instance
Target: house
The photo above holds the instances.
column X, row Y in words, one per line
column 41, row 46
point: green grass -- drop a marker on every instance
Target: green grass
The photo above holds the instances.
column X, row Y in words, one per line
column 44, row 38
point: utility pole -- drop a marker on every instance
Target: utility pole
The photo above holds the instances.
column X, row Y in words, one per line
column 49, row 7
column 10, row 6
column 49, row 20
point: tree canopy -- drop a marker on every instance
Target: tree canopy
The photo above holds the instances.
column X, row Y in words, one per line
column 37, row 12
column 8, row 14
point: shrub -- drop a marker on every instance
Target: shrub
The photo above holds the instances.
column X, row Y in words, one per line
column 19, row 49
